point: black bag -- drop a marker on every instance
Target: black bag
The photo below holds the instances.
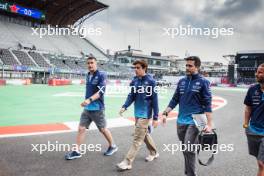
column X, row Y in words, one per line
column 207, row 141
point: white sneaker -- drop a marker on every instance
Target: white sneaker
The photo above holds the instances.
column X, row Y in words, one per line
column 124, row 165
column 151, row 157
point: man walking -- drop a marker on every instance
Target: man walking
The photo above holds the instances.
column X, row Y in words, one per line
column 254, row 119
column 144, row 96
column 93, row 109
column 193, row 95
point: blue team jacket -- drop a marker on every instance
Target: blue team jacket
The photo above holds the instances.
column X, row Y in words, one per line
column 97, row 83
column 144, row 101
column 194, row 96
column 255, row 99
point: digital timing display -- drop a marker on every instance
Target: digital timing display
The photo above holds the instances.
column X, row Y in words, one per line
column 14, row 8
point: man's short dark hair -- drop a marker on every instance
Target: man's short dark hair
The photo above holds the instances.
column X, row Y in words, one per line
column 196, row 59
column 141, row 62
column 91, row 58
column 261, row 65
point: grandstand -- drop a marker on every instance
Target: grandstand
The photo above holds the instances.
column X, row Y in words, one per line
column 21, row 50
column 7, row 58
column 242, row 69
column 24, row 58
column 39, row 59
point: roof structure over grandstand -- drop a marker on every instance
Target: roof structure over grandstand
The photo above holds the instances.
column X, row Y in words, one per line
column 17, row 26
column 251, row 52
column 63, row 12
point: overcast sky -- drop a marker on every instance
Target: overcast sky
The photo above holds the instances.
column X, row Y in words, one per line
column 123, row 20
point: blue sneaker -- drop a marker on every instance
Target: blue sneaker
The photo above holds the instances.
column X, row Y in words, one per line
column 72, row 155
column 111, row 150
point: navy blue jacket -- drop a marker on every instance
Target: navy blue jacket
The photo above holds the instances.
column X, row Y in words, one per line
column 144, row 101
column 255, row 99
column 97, row 82
column 194, row 96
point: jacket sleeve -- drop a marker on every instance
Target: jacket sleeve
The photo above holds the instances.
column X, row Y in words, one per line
column 102, row 84
column 248, row 100
column 175, row 99
column 131, row 96
column 207, row 96
column 155, row 101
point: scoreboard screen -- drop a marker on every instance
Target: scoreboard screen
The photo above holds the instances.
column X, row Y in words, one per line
column 14, row 8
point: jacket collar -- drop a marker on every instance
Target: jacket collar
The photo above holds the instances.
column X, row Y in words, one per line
column 94, row 72
column 194, row 76
column 143, row 77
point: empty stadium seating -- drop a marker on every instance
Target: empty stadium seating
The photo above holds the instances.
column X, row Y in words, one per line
column 18, row 46
column 7, row 58
column 73, row 64
column 24, row 58
column 60, row 44
column 82, row 64
column 39, row 59
column 57, row 62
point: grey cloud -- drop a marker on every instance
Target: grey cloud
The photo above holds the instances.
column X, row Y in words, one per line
column 124, row 16
column 234, row 8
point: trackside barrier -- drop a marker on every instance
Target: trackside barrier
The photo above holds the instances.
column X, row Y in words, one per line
column 59, row 82
column 2, row 82
column 18, row 81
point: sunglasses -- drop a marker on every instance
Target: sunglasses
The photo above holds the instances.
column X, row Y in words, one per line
column 137, row 67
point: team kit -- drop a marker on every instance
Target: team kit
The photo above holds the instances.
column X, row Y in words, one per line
column 194, row 122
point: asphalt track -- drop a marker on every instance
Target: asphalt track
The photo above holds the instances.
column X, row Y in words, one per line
column 18, row 159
